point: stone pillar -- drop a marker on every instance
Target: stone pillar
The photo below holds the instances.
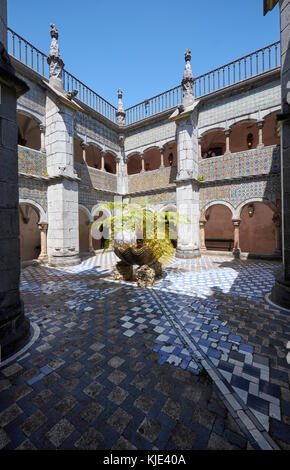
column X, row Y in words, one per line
column 91, row 246
column 62, row 192
column 14, row 326
column 202, row 223
column 227, row 134
column 84, row 147
column 236, row 249
column 278, row 240
column 281, row 290
column 142, row 163
column 102, row 160
column 42, row 138
column 162, row 156
column 260, row 125
column 187, row 186
column 43, row 241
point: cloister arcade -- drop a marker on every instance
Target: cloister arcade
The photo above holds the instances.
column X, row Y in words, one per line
column 246, row 134
column 253, row 227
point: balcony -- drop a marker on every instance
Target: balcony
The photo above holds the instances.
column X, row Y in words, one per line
column 97, row 179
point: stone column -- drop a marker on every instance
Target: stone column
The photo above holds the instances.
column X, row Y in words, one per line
column 236, row 249
column 62, row 192
column 84, row 147
column 43, row 241
column 199, row 139
column 14, row 326
column 187, row 186
column 162, row 149
column 103, row 160
column 227, row 134
column 42, row 138
column 281, row 290
column 142, row 163
column 278, row 240
column 202, row 223
column 260, row 125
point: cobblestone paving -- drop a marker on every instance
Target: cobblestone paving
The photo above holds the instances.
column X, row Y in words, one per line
column 118, row 367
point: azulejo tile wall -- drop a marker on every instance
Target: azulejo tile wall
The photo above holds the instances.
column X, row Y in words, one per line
column 88, row 126
column 31, row 162
column 251, row 162
column 34, row 99
column 244, row 103
column 161, row 178
column 92, row 177
column 158, row 197
column 34, row 190
column 150, row 135
column 90, row 197
column 235, row 192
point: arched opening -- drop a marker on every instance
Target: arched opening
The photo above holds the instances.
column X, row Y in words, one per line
column 28, row 131
column 170, row 154
column 219, row 230
column 269, row 130
column 78, row 151
column 30, row 243
column 93, row 156
column 134, row 164
column 84, row 229
column 244, row 136
column 110, row 163
column 213, row 144
column 152, row 159
column 257, row 229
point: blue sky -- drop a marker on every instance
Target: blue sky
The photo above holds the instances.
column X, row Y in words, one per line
column 139, row 46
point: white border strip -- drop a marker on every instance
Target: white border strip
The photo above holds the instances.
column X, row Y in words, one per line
column 36, row 333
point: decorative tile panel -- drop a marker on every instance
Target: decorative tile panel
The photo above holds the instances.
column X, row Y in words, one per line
column 35, row 98
column 91, row 177
column 161, row 178
column 149, row 135
column 91, row 128
column 31, row 161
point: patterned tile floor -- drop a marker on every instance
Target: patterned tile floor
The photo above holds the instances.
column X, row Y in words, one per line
column 206, row 323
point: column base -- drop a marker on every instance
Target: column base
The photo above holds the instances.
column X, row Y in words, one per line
column 281, row 292
column 187, row 253
column 237, row 253
column 64, row 259
column 14, row 329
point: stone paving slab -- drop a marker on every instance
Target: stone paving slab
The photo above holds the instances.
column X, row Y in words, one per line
column 117, row 366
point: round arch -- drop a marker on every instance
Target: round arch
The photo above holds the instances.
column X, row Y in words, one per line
column 267, row 202
column 30, row 240
column 215, row 203
column 39, row 209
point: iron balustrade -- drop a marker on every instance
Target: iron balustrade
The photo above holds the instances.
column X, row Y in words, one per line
column 33, row 58
column 256, row 63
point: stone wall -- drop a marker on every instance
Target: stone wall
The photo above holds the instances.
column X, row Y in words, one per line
column 89, row 197
column 31, row 162
column 162, row 178
column 250, row 162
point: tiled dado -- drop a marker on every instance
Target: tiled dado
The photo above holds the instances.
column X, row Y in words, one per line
column 31, row 161
column 247, row 163
column 155, row 179
column 94, row 178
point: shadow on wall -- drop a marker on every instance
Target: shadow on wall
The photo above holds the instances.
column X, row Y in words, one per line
column 29, row 233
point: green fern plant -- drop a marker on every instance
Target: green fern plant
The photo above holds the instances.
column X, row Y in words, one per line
column 156, row 227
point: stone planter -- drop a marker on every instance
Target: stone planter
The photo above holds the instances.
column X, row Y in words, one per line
column 149, row 267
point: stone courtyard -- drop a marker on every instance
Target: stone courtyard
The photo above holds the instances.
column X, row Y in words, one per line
column 196, row 362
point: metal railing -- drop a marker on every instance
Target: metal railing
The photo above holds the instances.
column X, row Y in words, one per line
column 162, row 102
column 33, row 58
column 263, row 60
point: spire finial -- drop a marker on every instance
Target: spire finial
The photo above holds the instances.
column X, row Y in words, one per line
column 120, row 113
column 187, row 81
column 54, row 60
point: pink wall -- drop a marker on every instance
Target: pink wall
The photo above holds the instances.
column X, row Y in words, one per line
column 29, row 234
column 219, row 224
column 257, row 233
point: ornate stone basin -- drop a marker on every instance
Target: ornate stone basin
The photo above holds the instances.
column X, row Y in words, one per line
column 133, row 255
